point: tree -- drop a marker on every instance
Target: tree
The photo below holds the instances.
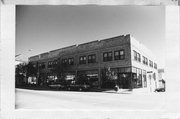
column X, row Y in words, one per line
column 59, row 70
column 107, row 78
column 32, row 70
column 20, row 73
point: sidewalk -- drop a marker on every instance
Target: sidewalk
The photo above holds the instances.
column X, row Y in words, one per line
column 120, row 91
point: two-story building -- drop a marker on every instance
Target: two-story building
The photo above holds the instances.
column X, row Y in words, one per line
column 129, row 61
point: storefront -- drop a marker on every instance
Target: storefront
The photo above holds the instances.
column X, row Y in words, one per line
column 128, row 77
column 118, row 76
column 88, row 76
column 137, row 77
column 51, row 78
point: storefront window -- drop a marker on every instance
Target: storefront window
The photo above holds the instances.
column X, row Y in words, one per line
column 137, row 77
column 88, row 77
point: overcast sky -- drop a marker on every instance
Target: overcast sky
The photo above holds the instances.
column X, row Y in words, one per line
column 45, row 28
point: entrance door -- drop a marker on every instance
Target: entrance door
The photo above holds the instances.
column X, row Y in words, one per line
column 150, row 82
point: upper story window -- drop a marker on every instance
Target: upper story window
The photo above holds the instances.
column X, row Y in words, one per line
column 137, row 56
column 119, row 55
column 92, row 58
column 145, row 60
column 82, row 60
column 42, row 65
column 50, row 63
column 54, row 63
column 150, row 63
column 107, row 56
column 155, row 66
column 64, row 61
column 71, row 61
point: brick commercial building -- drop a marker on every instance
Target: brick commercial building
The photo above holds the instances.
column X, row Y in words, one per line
column 129, row 61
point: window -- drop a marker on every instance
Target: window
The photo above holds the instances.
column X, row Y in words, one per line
column 137, row 77
column 107, row 56
column 155, row 66
column 50, row 63
column 82, row 60
column 145, row 60
column 137, row 56
column 71, row 61
column 54, row 63
column 92, row 58
column 144, row 78
column 150, row 63
column 64, row 61
column 42, row 65
column 119, row 55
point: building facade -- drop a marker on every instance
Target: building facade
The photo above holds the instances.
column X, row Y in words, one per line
column 129, row 61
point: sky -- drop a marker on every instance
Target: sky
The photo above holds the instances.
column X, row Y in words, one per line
column 41, row 29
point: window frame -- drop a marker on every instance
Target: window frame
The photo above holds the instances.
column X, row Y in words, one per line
column 64, row 61
column 144, row 60
column 92, row 60
column 71, row 61
column 119, row 56
column 138, row 57
column 135, row 55
column 50, row 63
column 155, row 65
column 109, row 57
column 84, row 59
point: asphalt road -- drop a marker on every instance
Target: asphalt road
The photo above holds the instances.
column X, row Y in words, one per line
column 33, row 99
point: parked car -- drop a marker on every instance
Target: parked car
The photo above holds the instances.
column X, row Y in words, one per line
column 162, row 89
column 57, row 86
column 79, row 87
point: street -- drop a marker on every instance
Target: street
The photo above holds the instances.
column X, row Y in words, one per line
column 33, row 99
column 152, row 105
